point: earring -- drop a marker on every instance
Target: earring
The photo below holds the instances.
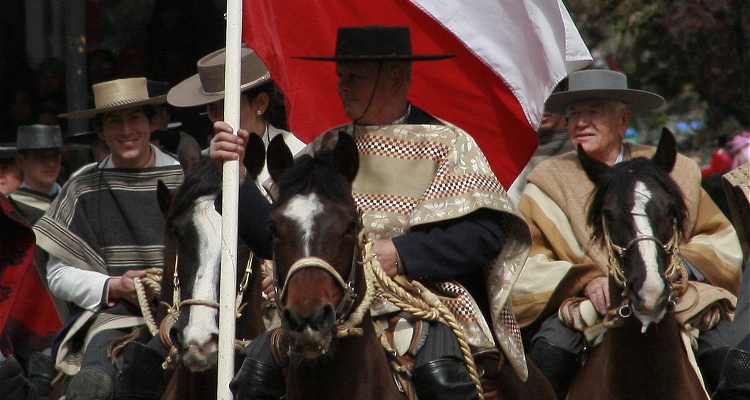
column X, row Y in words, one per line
column 257, row 112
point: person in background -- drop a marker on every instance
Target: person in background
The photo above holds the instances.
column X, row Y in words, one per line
column 553, row 140
column 10, row 175
column 563, row 263
column 102, row 231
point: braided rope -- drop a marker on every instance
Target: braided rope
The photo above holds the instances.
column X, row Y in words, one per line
column 350, row 327
column 152, row 280
column 428, row 307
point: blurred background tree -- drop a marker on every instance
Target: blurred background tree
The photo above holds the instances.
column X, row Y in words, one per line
column 695, row 53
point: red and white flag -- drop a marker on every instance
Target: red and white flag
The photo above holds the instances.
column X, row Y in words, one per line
column 510, row 55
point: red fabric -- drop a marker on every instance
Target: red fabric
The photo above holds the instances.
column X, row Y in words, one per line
column 28, row 319
column 720, row 163
column 462, row 90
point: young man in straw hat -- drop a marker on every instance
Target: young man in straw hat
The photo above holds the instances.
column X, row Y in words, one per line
column 102, row 231
column 472, row 224
column 563, row 263
column 262, row 109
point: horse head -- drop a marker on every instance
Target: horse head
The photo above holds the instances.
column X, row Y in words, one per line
column 193, row 252
column 638, row 213
column 316, row 242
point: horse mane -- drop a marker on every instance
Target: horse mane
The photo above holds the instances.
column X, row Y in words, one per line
column 203, row 180
column 314, row 173
column 619, row 178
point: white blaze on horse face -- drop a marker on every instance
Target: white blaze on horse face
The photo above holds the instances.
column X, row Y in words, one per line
column 303, row 209
column 653, row 285
column 202, row 323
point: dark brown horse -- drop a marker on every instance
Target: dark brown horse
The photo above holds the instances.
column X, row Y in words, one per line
column 638, row 214
column 191, row 278
column 321, row 286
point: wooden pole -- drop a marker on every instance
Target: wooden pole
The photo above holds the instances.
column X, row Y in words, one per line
column 230, row 188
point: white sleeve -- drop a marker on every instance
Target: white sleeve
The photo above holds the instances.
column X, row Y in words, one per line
column 83, row 288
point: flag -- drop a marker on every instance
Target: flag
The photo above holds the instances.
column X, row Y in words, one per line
column 510, row 55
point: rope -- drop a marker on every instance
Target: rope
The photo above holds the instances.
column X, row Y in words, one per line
column 152, row 280
column 428, row 307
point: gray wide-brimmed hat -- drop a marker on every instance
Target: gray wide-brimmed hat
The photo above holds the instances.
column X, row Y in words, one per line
column 602, row 84
column 207, row 85
column 375, row 43
column 38, row 137
column 117, row 95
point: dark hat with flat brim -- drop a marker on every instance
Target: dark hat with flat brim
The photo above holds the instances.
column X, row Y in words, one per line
column 207, row 86
column 375, row 43
column 118, row 95
column 39, row 137
column 602, row 84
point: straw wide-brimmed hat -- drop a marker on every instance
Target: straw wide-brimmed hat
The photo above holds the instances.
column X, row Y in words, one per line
column 602, row 84
column 117, row 95
column 375, row 43
column 37, row 137
column 207, row 85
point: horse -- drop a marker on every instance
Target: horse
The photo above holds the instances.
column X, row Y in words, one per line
column 191, row 276
column 638, row 213
column 322, row 289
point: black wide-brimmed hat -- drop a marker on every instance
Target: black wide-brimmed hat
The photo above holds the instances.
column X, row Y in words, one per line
column 375, row 43
column 39, row 137
column 602, row 84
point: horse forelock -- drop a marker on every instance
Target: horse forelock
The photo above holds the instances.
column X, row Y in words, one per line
column 667, row 201
column 314, row 174
column 202, row 181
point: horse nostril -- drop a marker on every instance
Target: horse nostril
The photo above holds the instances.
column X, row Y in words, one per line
column 324, row 318
column 291, row 321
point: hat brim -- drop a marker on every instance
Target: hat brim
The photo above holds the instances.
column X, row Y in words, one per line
column 189, row 93
column 413, row 57
column 637, row 100
column 95, row 111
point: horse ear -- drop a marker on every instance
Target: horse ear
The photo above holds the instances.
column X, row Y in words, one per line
column 164, row 196
column 593, row 167
column 280, row 158
column 346, row 156
column 188, row 152
column 255, row 155
column 666, row 151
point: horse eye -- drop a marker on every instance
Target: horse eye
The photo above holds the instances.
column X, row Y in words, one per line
column 353, row 227
column 272, row 229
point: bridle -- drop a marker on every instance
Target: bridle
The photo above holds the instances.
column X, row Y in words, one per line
column 675, row 273
column 346, row 319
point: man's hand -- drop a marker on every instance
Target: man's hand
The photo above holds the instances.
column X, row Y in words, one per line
column 226, row 146
column 267, row 286
column 387, row 255
column 598, row 292
column 123, row 287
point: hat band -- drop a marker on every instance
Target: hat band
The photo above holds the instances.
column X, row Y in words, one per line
column 120, row 103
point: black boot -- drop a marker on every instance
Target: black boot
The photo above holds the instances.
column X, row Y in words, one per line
column 41, row 373
column 258, row 381
column 142, row 375
column 710, row 364
column 90, row 384
column 13, row 385
column 735, row 377
column 559, row 366
column 444, row 379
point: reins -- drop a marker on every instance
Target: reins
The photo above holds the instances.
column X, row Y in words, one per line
column 173, row 310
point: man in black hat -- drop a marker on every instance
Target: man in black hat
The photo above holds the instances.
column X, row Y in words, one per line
column 454, row 221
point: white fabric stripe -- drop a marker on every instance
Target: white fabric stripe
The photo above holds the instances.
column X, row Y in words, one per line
column 537, row 46
column 557, row 216
column 724, row 243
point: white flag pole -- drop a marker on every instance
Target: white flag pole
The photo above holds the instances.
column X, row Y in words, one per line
column 229, row 205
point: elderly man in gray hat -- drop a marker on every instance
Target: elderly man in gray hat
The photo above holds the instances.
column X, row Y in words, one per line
column 563, row 263
column 103, row 231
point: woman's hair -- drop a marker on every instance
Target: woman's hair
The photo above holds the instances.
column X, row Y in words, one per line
column 276, row 112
